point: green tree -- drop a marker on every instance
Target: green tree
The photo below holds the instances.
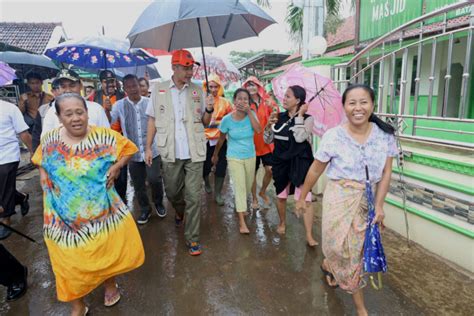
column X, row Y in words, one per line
column 294, row 19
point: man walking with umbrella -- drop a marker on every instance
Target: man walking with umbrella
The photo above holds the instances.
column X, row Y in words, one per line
column 177, row 115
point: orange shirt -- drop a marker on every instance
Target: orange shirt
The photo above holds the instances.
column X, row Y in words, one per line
column 222, row 107
column 263, row 114
column 115, row 126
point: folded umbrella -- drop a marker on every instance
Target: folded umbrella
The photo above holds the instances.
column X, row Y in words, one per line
column 373, row 259
column 17, row 232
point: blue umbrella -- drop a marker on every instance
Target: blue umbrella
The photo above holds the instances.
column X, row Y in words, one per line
column 374, row 257
column 99, row 53
column 170, row 25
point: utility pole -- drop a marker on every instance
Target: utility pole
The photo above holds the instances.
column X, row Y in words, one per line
column 313, row 22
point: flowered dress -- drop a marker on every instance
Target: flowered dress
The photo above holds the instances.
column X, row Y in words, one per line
column 345, row 203
column 90, row 233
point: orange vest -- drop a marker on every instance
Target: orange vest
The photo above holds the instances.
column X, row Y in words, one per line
column 222, row 107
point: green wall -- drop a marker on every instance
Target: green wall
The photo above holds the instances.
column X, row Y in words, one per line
column 422, row 109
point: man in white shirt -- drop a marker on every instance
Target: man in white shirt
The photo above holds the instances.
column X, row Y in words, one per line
column 11, row 125
column 69, row 81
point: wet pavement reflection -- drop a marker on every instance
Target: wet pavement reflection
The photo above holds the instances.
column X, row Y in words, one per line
column 258, row 274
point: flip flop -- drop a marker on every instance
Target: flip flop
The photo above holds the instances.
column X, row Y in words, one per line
column 330, row 275
column 86, row 311
column 111, row 300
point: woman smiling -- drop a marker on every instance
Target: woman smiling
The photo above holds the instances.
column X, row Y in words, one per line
column 363, row 142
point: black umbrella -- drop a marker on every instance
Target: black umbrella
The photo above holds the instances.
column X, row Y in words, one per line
column 25, row 63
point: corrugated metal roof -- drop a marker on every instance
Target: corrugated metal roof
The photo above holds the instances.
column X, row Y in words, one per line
column 31, row 37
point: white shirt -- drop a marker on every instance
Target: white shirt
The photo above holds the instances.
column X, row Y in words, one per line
column 95, row 111
column 42, row 110
column 11, row 124
column 178, row 98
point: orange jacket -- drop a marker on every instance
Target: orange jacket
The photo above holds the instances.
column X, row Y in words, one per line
column 263, row 112
column 222, row 107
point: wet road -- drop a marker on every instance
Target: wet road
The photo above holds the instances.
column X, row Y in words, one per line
column 258, row 274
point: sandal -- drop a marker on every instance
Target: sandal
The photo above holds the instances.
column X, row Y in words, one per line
column 112, row 299
column 330, row 275
column 86, row 311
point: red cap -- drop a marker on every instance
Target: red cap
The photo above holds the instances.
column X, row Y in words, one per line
column 183, row 57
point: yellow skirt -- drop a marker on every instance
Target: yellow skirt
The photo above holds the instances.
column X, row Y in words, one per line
column 81, row 269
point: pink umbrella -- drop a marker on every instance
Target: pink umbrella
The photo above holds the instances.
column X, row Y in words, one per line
column 226, row 71
column 7, row 73
column 325, row 103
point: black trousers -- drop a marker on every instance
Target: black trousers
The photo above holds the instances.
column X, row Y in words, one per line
column 8, row 188
column 139, row 172
column 11, row 270
column 121, row 184
column 221, row 164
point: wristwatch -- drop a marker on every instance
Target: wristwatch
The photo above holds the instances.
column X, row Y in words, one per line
column 210, row 112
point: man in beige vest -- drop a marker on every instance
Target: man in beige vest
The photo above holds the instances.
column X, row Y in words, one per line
column 177, row 115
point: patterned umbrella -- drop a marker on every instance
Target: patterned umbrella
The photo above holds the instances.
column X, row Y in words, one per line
column 374, row 257
column 7, row 73
column 325, row 102
column 99, row 53
column 226, row 71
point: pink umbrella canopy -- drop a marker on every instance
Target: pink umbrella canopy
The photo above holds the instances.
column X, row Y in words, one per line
column 7, row 73
column 325, row 102
column 226, row 71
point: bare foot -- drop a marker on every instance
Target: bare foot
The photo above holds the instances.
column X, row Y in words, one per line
column 244, row 230
column 330, row 280
column 311, row 242
column 265, row 198
column 255, row 205
column 362, row 312
column 79, row 311
column 281, row 229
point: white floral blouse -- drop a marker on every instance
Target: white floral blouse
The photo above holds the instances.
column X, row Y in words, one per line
column 347, row 158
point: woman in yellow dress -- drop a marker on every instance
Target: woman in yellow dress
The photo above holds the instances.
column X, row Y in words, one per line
column 90, row 234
